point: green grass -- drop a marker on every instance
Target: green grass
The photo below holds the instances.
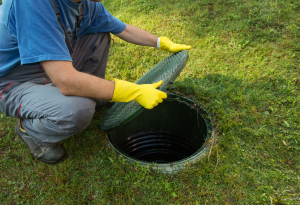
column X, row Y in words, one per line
column 244, row 68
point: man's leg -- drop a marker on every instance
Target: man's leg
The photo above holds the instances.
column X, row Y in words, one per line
column 51, row 116
column 47, row 116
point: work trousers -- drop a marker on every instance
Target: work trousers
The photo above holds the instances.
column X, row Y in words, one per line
column 47, row 115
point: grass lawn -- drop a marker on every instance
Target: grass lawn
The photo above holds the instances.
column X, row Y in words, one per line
column 244, row 68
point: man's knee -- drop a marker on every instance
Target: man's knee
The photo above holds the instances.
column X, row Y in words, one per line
column 53, row 129
column 79, row 115
column 73, row 116
column 81, row 119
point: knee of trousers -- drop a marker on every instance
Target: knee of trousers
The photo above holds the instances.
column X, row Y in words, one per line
column 77, row 116
column 80, row 119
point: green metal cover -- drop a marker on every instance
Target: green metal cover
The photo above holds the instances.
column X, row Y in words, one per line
column 166, row 70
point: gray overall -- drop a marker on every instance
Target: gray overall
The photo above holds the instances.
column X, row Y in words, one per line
column 47, row 115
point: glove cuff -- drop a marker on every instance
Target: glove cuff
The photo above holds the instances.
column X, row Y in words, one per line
column 158, row 43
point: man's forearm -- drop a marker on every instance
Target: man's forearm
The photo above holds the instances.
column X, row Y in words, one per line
column 138, row 36
column 72, row 82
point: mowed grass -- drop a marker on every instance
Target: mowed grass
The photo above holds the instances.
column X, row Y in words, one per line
column 244, row 68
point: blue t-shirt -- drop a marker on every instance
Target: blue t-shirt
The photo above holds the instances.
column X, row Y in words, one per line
column 30, row 32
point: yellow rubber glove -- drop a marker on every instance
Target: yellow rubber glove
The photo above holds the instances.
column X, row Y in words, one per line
column 166, row 44
column 146, row 94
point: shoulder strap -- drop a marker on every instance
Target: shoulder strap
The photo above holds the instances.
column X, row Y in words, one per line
column 78, row 21
column 63, row 28
column 79, row 17
column 56, row 11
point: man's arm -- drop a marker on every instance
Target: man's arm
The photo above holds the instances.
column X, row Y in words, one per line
column 72, row 82
column 138, row 36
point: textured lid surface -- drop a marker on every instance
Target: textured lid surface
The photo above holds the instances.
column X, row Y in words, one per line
column 166, row 70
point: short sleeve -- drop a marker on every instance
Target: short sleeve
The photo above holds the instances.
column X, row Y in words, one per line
column 97, row 20
column 38, row 32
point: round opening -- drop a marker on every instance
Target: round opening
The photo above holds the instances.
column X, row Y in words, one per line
column 170, row 135
column 158, row 146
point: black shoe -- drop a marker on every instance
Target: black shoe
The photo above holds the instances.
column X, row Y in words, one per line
column 49, row 154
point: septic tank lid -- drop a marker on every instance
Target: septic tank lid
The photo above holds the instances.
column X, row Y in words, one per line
column 166, row 70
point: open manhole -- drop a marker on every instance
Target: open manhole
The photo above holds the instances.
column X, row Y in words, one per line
column 167, row 137
column 170, row 135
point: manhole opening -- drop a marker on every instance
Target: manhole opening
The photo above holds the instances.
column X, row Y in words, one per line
column 158, row 147
column 174, row 131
